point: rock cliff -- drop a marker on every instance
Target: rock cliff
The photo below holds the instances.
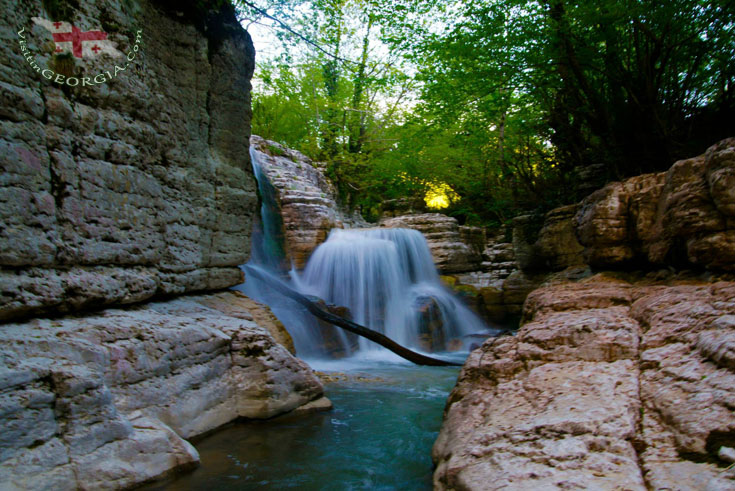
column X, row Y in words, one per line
column 112, row 194
column 609, row 384
column 679, row 219
column 684, row 217
column 617, row 380
column 142, row 185
column 307, row 199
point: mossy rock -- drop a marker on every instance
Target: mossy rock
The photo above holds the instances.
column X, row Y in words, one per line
column 466, row 290
column 448, row 280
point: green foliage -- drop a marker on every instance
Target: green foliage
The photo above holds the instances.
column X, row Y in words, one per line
column 504, row 101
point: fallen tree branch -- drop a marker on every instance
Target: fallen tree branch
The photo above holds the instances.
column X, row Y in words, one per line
column 348, row 325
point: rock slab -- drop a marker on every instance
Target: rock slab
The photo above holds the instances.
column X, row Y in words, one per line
column 106, row 401
column 607, row 385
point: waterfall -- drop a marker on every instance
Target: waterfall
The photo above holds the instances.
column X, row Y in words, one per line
column 268, row 240
column 385, row 277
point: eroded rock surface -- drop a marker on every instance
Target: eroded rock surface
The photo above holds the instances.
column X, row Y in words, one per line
column 307, row 199
column 608, row 385
column 116, row 192
column 106, row 400
column 683, row 217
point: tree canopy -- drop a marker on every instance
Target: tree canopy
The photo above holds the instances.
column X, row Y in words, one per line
column 493, row 108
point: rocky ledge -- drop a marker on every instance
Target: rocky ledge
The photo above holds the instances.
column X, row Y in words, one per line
column 307, row 200
column 609, row 384
column 106, row 400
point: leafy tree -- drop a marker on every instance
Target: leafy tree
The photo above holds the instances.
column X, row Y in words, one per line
column 507, row 103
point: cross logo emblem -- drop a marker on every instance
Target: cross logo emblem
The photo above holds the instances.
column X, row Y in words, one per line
column 76, row 36
column 71, row 39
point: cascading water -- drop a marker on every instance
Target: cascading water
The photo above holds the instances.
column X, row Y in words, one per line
column 267, row 243
column 380, row 433
column 385, row 277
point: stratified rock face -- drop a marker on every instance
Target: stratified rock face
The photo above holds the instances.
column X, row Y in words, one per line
column 498, row 257
column 557, row 243
column 447, row 243
column 115, row 192
column 683, row 217
column 553, row 247
column 105, row 401
column 608, row 385
column 307, row 199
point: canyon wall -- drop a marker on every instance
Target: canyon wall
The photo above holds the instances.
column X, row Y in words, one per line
column 116, row 192
column 112, row 194
column 619, row 380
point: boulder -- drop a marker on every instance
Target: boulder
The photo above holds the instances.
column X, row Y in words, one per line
column 549, row 244
column 557, row 244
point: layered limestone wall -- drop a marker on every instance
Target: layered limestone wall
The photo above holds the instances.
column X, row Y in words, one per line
column 684, row 217
column 111, row 194
column 617, row 380
column 142, row 185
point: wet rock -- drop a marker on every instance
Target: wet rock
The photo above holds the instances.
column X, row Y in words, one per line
column 307, row 199
column 336, row 342
column 431, row 335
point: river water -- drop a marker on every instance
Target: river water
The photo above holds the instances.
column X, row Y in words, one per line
column 387, row 414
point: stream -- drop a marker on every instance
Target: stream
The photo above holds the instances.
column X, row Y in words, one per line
column 387, row 414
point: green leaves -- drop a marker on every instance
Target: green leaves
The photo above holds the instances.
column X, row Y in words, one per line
column 504, row 101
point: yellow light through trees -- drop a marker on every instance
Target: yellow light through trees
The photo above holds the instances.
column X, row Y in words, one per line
column 439, row 196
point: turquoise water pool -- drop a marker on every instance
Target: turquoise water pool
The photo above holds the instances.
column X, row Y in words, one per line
column 379, row 435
